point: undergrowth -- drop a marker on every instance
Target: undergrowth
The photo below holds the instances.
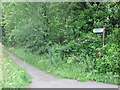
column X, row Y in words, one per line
column 61, row 69
column 12, row 75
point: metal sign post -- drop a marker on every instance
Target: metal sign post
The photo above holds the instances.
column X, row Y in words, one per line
column 100, row 30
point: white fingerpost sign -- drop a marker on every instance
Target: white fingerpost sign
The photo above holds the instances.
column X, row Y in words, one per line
column 100, row 30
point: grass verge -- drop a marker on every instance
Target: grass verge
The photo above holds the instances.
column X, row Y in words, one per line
column 63, row 70
column 12, row 75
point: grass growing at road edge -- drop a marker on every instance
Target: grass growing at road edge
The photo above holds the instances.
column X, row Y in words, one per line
column 63, row 70
column 13, row 76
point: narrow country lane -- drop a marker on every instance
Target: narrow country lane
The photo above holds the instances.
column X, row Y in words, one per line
column 41, row 79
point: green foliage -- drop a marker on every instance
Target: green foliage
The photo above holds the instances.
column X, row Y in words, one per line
column 63, row 32
column 110, row 60
column 12, row 75
column 73, row 70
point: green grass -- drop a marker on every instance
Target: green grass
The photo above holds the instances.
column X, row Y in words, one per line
column 61, row 69
column 12, row 75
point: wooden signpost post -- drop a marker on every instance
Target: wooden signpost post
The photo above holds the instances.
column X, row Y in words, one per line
column 100, row 30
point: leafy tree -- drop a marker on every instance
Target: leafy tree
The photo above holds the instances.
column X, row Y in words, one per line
column 66, row 26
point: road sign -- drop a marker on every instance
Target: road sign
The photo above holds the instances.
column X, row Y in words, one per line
column 98, row 30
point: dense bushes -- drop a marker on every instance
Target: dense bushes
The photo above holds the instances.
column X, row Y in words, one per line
column 64, row 30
